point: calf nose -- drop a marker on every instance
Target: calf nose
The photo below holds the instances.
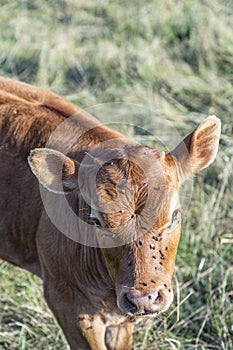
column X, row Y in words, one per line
column 149, row 303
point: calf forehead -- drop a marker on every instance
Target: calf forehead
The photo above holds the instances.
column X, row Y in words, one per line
column 142, row 186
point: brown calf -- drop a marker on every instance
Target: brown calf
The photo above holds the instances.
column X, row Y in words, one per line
column 103, row 228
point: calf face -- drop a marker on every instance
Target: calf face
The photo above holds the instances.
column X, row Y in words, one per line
column 132, row 192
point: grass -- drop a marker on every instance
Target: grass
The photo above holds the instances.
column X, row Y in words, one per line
column 175, row 58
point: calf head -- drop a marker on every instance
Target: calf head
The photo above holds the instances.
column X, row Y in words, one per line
column 135, row 207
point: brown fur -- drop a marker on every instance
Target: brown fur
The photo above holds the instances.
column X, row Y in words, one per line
column 95, row 293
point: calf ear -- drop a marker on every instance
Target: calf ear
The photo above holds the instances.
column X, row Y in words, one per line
column 54, row 170
column 198, row 149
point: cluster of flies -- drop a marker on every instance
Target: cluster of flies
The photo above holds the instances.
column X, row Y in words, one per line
column 153, row 247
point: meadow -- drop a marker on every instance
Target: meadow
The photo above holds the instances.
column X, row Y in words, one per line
column 174, row 57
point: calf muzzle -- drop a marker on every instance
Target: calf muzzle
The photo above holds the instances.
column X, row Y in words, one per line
column 145, row 303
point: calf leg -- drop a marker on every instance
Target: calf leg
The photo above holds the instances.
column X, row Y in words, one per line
column 119, row 337
column 83, row 332
column 93, row 329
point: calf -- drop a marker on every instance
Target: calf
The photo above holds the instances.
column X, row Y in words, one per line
column 96, row 216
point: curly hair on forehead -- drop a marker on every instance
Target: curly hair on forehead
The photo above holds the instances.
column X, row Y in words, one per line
column 118, row 172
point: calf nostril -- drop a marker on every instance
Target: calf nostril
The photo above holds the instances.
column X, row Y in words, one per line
column 156, row 298
column 159, row 298
column 130, row 305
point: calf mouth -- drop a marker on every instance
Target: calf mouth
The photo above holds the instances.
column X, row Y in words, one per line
column 145, row 314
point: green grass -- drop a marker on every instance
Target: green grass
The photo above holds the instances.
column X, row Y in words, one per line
column 176, row 58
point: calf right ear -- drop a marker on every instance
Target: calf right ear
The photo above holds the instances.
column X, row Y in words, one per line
column 198, row 149
column 55, row 171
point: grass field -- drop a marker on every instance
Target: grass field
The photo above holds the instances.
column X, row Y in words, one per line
column 175, row 58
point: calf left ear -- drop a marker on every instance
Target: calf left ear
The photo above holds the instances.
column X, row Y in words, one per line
column 198, row 149
column 55, row 171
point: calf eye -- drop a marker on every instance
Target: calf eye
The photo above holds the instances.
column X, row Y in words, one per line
column 176, row 216
column 176, row 219
column 94, row 221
